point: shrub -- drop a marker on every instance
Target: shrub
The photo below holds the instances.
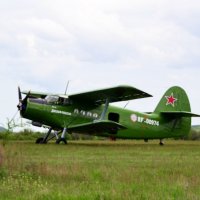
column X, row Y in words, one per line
column 193, row 135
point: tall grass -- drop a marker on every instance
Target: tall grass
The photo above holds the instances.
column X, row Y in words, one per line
column 100, row 170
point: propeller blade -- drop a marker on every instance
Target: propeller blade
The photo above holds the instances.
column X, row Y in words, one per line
column 19, row 94
column 22, row 102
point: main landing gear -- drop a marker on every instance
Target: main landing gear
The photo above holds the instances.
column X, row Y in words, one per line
column 62, row 138
column 59, row 140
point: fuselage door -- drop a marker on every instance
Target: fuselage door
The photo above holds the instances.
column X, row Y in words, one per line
column 115, row 118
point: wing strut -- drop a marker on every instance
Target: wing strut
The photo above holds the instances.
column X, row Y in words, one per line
column 103, row 114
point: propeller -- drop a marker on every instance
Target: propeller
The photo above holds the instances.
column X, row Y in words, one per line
column 19, row 94
column 19, row 106
column 22, row 102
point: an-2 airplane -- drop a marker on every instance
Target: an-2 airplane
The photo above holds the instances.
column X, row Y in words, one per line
column 90, row 113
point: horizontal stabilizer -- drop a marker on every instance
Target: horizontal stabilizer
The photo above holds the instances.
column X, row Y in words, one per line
column 178, row 114
column 96, row 127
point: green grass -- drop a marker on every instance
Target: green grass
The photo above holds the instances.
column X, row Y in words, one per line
column 100, row 170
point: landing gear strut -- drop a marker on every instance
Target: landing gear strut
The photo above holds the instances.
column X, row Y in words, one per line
column 44, row 140
column 62, row 138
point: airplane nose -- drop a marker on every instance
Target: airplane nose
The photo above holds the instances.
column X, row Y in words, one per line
column 22, row 102
column 19, row 106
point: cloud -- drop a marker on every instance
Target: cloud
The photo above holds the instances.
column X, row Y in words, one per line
column 148, row 44
column 98, row 32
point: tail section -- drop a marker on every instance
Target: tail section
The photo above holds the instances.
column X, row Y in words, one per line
column 175, row 112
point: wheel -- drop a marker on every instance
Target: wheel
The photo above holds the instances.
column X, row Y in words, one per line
column 39, row 141
column 59, row 140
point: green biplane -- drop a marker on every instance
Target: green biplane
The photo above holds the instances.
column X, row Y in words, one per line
column 91, row 113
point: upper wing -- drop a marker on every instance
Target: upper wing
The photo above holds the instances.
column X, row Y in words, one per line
column 97, row 97
column 36, row 94
column 96, row 128
column 120, row 93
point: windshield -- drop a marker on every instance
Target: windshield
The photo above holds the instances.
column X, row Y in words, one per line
column 52, row 99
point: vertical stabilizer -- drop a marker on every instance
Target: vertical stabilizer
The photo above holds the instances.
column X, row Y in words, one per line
column 175, row 99
column 174, row 108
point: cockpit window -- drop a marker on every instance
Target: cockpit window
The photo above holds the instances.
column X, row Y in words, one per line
column 51, row 99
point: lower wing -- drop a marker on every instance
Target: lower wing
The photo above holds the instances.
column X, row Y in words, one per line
column 100, row 128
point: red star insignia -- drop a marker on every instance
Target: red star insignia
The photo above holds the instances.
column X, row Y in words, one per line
column 170, row 100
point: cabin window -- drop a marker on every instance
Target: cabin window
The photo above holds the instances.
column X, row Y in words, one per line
column 63, row 101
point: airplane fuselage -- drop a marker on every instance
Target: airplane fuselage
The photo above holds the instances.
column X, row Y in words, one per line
column 138, row 125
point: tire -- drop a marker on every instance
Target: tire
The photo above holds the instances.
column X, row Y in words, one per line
column 39, row 140
column 59, row 140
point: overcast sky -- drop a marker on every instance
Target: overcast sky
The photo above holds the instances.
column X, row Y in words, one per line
column 149, row 44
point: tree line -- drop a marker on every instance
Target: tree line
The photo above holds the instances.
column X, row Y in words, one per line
column 28, row 134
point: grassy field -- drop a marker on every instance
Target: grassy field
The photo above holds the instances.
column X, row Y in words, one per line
column 100, row 170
